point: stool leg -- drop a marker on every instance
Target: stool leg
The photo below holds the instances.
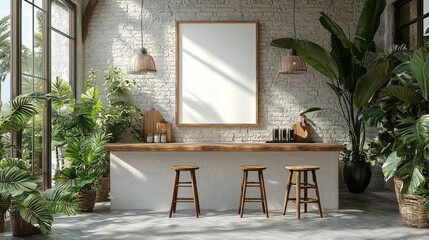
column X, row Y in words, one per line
column 194, row 189
column 261, row 175
column 177, row 192
column 261, row 190
column 305, row 190
column 173, row 197
column 298, row 192
column 316, row 188
column 243, row 200
column 289, row 180
column 241, row 194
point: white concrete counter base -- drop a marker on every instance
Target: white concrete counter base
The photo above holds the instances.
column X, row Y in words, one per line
column 144, row 180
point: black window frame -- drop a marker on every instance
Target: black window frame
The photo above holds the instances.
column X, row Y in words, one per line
column 418, row 20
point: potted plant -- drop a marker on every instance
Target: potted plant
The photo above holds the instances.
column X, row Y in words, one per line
column 118, row 117
column 402, row 113
column 344, row 65
column 84, row 156
column 31, row 211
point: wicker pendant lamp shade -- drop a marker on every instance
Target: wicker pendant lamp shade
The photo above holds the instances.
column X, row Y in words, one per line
column 292, row 63
column 141, row 62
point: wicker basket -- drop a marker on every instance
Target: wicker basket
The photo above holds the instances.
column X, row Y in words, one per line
column 87, row 201
column 103, row 190
column 411, row 207
column 20, row 227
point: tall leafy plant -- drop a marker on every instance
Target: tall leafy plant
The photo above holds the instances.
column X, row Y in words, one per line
column 344, row 64
column 119, row 114
column 402, row 113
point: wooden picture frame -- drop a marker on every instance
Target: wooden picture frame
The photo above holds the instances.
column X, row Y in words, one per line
column 216, row 73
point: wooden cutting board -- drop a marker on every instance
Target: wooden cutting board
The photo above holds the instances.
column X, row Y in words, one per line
column 302, row 131
column 164, row 127
column 150, row 119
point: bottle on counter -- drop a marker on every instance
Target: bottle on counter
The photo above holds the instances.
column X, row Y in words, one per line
column 163, row 137
column 149, row 137
column 157, row 138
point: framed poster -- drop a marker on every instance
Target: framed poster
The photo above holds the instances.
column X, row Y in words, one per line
column 216, row 73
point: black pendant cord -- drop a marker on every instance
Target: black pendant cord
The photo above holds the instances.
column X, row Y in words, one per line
column 294, row 27
column 141, row 27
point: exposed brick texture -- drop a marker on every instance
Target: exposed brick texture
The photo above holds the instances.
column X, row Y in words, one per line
column 114, row 35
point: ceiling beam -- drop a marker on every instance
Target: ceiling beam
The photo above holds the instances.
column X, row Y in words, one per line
column 87, row 18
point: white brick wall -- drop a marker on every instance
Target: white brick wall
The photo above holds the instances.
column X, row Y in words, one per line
column 114, row 34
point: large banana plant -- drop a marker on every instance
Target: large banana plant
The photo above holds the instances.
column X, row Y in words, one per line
column 18, row 192
column 344, row 64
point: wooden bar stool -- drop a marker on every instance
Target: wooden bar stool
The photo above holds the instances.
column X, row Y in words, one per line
column 177, row 184
column 260, row 184
column 302, row 185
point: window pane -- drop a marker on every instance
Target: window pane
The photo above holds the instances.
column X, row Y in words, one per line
column 425, row 6
column 38, row 42
column 60, row 55
column 33, row 132
column 5, row 56
column 60, row 17
column 408, row 35
column 407, row 12
column 27, row 38
column 38, row 3
column 426, row 26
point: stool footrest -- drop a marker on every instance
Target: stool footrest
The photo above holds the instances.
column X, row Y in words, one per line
column 253, row 200
column 253, row 185
column 304, row 186
column 183, row 185
column 185, row 182
column 309, row 200
column 184, row 200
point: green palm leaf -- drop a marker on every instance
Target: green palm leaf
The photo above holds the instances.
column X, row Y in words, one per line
column 420, row 68
column 371, row 82
column 368, row 24
column 407, row 95
column 14, row 179
column 33, row 210
column 59, row 201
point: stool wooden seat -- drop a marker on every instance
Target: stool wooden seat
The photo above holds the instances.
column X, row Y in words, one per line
column 302, row 185
column 184, row 168
column 260, row 184
column 177, row 184
column 302, row 168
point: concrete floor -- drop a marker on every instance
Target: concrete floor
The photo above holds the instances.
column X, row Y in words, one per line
column 372, row 215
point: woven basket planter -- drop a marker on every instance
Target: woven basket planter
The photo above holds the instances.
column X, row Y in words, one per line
column 20, row 227
column 87, row 201
column 103, row 190
column 411, row 207
column 3, row 208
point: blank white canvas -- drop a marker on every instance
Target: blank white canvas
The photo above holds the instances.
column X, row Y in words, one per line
column 217, row 73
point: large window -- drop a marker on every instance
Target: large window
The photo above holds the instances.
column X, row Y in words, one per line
column 37, row 44
column 63, row 41
column 412, row 20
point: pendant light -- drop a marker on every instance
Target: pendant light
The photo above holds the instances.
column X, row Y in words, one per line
column 292, row 63
column 141, row 62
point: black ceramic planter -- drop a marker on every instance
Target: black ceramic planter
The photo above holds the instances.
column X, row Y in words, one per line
column 357, row 176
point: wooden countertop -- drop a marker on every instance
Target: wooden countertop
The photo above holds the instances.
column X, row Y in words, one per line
column 224, row 147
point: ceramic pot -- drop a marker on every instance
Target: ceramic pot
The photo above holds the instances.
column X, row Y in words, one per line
column 357, row 176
